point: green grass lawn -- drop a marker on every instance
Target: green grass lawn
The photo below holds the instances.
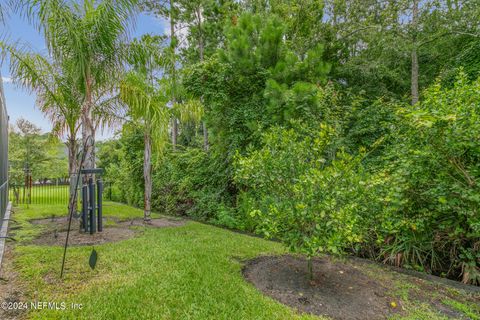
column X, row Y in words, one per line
column 187, row 272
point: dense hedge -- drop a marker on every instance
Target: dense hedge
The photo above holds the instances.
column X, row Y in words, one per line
column 321, row 168
column 409, row 198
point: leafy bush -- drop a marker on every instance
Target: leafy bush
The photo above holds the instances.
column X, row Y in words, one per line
column 195, row 183
column 311, row 203
column 415, row 206
column 432, row 172
column 123, row 163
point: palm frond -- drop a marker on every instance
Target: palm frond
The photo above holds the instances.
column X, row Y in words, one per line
column 52, row 84
column 189, row 111
column 146, row 107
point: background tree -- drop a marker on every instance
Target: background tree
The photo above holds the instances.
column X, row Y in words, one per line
column 204, row 20
column 269, row 81
column 195, row 32
column 377, row 46
column 42, row 154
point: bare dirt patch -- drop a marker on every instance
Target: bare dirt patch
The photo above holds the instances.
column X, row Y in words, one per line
column 340, row 291
column 56, row 220
column 56, row 231
column 61, row 223
column 77, row 238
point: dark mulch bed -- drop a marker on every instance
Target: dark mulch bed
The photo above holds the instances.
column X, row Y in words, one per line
column 339, row 291
column 56, row 220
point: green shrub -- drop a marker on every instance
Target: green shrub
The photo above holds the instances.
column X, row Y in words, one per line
column 194, row 183
column 432, row 177
column 311, row 203
column 413, row 201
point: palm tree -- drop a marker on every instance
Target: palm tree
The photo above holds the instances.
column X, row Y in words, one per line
column 147, row 99
column 147, row 108
column 146, row 105
column 62, row 107
column 4, row 9
column 56, row 95
column 58, row 98
column 89, row 35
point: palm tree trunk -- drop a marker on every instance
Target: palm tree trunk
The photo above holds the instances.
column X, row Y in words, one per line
column 88, row 140
column 72, row 169
column 88, row 131
column 147, row 175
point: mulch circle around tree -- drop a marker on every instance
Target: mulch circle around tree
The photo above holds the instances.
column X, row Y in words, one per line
column 61, row 223
column 56, row 231
column 77, row 238
column 340, row 291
